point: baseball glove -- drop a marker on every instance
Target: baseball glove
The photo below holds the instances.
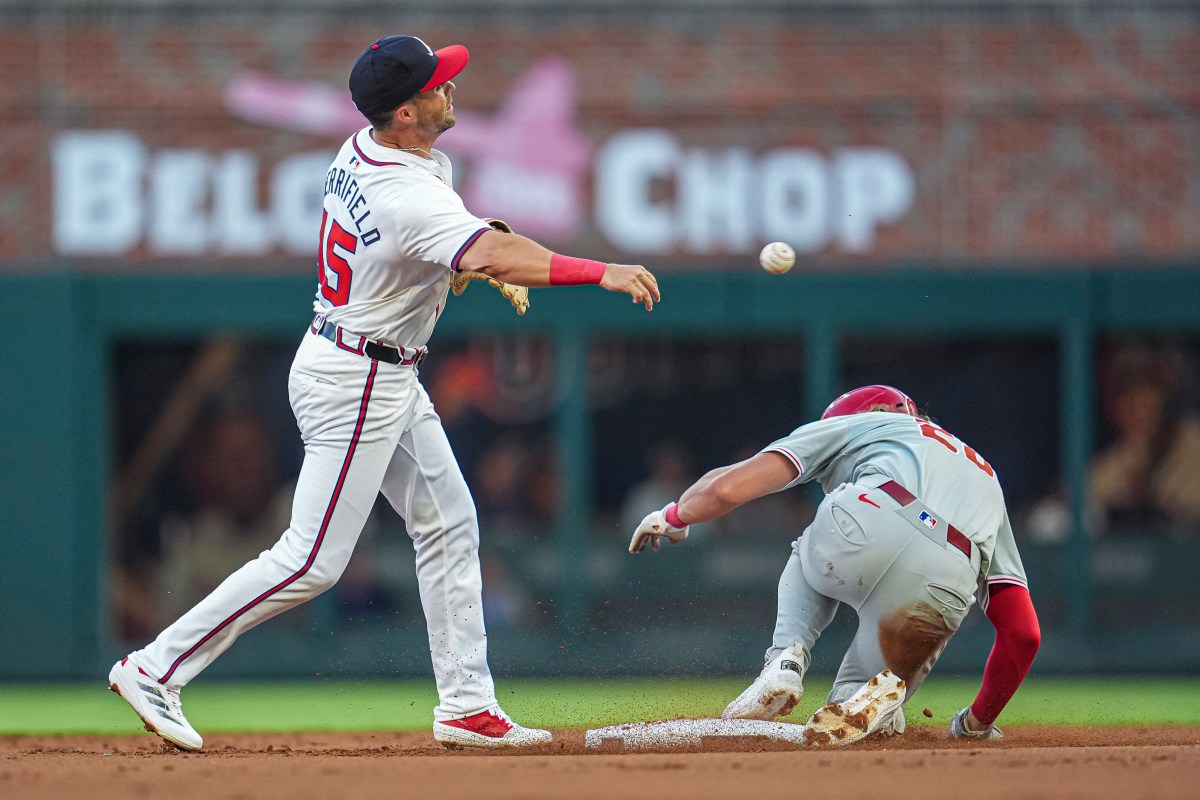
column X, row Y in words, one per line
column 517, row 295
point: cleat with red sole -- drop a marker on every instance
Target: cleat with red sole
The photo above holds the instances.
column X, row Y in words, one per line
column 491, row 728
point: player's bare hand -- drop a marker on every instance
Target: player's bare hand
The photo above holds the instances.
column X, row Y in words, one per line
column 634, row 280
column 653, row 528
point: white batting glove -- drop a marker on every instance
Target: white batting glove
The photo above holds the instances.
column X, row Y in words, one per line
column 653, row 528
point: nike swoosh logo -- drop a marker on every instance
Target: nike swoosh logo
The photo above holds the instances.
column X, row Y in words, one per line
column 866, row 499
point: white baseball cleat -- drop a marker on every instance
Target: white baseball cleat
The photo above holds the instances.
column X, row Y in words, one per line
column 491, row 728
column 871, row 709
column 959, row 729
column 158, row 706
column 775, row 692
column 896, row 725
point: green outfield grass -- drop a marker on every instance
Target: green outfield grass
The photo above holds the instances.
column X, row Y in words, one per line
column 330, row 705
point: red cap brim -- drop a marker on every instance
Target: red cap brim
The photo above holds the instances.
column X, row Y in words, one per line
column 451, row 61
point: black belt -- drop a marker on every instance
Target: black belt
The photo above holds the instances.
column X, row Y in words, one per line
column 374, row 350
column 904, row 497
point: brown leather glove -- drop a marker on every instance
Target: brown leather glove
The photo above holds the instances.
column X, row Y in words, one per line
column 517, row 295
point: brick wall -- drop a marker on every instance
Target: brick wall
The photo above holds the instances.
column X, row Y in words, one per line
column 1031, row 139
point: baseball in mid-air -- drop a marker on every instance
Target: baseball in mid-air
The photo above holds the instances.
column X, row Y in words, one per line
column 777, row 258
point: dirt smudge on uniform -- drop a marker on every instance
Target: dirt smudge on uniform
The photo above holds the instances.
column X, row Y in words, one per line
column 910, row 637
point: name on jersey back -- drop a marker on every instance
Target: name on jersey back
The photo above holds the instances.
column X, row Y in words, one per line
column 341, row 184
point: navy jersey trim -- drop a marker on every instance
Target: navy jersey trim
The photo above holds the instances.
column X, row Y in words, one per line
column 367, row 159
column 465, row 247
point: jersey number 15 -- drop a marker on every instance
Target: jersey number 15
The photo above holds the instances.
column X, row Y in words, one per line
column 334, row 270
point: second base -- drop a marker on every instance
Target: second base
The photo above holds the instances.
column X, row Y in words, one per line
column 691, row 732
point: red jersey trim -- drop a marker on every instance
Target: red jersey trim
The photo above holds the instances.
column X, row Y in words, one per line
column 790, row 457
column 1007, row 579
column 999, row 580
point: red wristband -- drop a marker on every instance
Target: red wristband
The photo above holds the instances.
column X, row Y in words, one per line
column 570, row 271
column 671, row 514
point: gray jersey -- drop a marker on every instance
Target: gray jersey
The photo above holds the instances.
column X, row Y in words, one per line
column 947, row 475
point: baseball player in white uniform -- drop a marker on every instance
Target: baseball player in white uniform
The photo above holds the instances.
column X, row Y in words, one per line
column 912, row 529
column 392, row 234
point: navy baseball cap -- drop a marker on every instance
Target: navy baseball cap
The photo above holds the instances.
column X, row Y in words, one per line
column 396, row 68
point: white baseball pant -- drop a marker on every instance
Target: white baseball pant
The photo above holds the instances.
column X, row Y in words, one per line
column 368, row 427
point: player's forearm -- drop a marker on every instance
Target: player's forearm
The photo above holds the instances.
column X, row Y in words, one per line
column 1018, row 636
column 708, row 498
column 725, row 488
column 516, row 259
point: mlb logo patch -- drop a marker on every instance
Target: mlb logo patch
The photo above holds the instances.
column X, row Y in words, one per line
column 353, row 162
column 928, row 519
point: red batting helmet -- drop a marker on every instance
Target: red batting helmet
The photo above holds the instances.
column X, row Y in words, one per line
column 867, row 398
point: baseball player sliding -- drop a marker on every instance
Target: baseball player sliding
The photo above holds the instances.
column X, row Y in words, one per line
column 393, row 234
column 913, row 526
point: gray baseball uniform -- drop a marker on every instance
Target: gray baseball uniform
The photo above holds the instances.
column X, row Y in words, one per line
column 913, row 527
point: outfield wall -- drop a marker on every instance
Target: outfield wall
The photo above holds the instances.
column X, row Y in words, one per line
column 58, row 399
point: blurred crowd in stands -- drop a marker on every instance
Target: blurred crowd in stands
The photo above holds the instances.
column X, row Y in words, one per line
column 220, row 489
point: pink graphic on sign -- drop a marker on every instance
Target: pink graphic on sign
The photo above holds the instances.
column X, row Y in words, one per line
column 526, row 163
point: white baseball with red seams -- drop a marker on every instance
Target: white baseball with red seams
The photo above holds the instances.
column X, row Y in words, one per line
column 777, row 258
column 392, row 230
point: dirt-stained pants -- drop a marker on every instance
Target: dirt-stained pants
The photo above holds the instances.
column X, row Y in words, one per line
column 909, row 587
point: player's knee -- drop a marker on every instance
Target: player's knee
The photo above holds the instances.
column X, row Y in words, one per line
column 318, row 584
column 458, row 525
column 1027, row 637
column 319, row 578
column 464, row 515
column 1021, row 626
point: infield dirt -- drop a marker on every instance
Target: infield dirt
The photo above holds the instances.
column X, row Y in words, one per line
column 1033, row 762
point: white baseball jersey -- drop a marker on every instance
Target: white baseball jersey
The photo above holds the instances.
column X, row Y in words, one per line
column 947, row 475
column 392, row 230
